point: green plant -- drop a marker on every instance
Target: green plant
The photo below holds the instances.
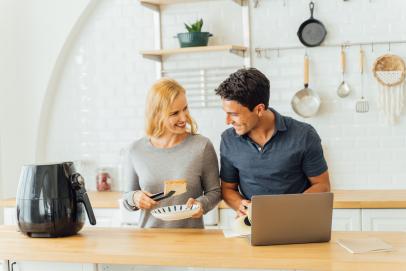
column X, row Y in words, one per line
column 196, row 27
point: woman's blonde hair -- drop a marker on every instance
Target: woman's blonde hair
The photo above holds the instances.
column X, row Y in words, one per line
column 160, row 97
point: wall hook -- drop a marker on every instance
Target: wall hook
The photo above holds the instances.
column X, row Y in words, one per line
column 267, row 56
column 389, row 46
column 258, row 51
column 372, row 47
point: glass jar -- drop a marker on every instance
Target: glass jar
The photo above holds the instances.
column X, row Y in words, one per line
column 103, row 179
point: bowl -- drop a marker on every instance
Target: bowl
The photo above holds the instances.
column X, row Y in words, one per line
column 193, row 39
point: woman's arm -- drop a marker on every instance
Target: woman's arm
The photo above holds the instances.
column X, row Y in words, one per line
column 131, row 182
column 210, row 179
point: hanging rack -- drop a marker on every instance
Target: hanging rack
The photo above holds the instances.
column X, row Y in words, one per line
column 262, row 51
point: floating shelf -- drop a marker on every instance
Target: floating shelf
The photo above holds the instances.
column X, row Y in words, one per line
column 170, row 2
column 159, row 53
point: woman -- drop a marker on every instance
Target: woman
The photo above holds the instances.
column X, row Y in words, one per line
column 171, row 150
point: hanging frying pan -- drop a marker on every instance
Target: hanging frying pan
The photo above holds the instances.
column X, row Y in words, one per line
column 311, row 32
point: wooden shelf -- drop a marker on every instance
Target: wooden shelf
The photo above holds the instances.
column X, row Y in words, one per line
column 170, row 2
column 164, row 52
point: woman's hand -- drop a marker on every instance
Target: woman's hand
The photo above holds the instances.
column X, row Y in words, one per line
column 200, row 211
column 142, row 200
column 243, row 208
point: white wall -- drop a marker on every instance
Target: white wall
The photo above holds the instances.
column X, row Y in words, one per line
column 99, row 100
column 362, row 150
column 32, row 35
column 7, row 65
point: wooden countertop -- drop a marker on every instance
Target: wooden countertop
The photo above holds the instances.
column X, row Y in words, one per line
column 365, row 199
column 197, row 248
column 352, row 199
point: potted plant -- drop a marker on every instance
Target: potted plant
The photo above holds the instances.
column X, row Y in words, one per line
column 194, row 36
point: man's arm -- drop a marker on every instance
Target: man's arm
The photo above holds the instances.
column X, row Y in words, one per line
column 233, row 198
column 319, row 183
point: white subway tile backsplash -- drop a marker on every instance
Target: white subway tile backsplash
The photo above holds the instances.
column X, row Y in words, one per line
column 102, row 91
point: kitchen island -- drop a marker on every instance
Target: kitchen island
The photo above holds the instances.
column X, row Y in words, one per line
column 196, row 248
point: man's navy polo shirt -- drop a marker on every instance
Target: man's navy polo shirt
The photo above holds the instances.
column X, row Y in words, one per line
column 282, row 166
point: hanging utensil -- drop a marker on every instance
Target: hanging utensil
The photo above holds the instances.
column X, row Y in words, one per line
column 362, row 105
column 311, row 32
column 306, row 102
column 343, row 89
column 390, row 71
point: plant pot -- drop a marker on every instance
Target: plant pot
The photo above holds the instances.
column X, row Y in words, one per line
column 193, row 39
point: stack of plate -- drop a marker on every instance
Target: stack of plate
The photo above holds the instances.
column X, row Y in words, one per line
column 175, row 212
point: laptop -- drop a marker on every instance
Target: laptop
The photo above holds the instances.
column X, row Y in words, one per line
column 291, row 218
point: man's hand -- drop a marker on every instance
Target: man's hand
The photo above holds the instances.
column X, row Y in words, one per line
column 192, row 201
column 243, row 208
column 142, row 200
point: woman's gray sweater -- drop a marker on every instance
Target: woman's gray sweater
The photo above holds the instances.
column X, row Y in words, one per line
column 194, row 160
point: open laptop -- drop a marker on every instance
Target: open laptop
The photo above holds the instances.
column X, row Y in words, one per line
column 291, row 218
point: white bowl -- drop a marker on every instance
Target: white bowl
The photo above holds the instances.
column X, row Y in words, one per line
column 175, row 212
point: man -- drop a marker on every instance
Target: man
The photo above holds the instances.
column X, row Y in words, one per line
column 265, row 152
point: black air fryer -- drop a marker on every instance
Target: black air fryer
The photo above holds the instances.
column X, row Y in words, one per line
column 51, row 201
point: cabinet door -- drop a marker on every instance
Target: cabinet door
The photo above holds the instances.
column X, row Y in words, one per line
column 211, row 218
column 227, row 217
column 384, row 219
column 10, row 216
column 106, row 217
column 346, row 220
column 50, row 266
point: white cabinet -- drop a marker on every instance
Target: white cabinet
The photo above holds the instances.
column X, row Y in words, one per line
column 227, row 217
column 346, row 220
column 113, row 217
column 343, row 219
column 50, row 266
column 10, row 216
column 211, row 218
column 106, row 217
column 383, row 220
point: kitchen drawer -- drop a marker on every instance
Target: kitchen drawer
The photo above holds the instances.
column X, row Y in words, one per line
column 211, row 218
column 346, row 220
column 51, row 266
column 10, row 216
column 383, row 220
column 106, row 217
column 227, row 217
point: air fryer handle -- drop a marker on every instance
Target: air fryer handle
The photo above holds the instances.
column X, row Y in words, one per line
column 88, row 207
column 78, row 184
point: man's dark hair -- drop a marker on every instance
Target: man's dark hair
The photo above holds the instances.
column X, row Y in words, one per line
column 249, row 87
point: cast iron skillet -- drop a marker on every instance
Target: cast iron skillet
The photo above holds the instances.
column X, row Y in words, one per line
column 311, row 32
